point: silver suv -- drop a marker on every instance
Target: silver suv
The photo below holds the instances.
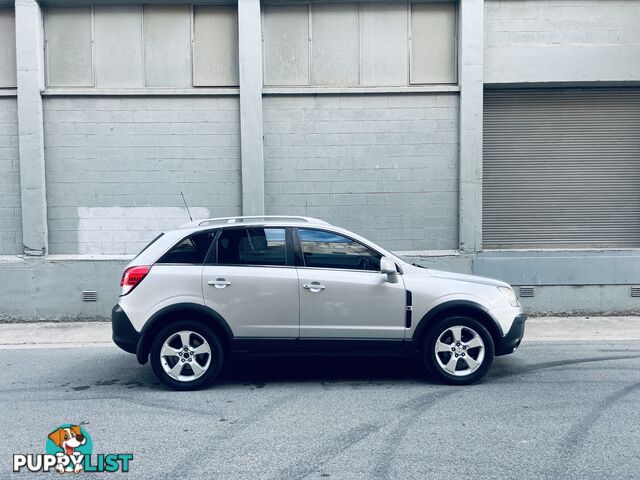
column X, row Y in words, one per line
column 212, row 288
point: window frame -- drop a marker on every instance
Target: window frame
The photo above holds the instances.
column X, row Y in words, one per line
column 456, row 42
column 95, row 84
column 410, row 81
column 212, row 257
column 194, row 82
column 299, row 254
column 8, row 77
column 46, row 12
column 263, row 46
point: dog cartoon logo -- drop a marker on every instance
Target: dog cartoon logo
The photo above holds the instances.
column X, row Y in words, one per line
column 69, row 441
column 69, row 448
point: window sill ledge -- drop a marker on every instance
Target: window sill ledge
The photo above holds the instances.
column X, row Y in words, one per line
column 359, row 90
column 198, row 91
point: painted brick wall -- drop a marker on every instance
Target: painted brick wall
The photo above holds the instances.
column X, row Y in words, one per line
column 116, row 167
column 562, row 40
column 385, row 166
column 10, row 211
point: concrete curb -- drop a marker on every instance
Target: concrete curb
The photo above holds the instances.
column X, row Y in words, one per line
column 98, row 334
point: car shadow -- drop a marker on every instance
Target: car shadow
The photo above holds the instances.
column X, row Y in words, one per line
column 261, row 370
column 115, row 371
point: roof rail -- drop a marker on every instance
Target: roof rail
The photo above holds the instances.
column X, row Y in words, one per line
column 240, row 219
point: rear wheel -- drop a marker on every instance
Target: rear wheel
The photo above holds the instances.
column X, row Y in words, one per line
column 458, row 350
column 186, row 355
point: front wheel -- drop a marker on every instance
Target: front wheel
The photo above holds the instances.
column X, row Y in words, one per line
column 458, row 350
column 186, row 355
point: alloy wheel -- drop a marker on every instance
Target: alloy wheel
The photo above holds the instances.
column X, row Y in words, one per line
column 459, row 350
column 185, row 356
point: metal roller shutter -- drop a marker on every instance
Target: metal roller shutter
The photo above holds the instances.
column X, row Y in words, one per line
column 561, row 168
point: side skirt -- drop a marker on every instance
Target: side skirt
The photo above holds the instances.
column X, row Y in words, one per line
column 322, row 346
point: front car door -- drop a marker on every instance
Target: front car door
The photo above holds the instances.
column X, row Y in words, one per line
column 342, row 292
column 252, row 282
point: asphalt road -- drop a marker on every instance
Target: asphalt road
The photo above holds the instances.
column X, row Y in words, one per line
column 553, row 410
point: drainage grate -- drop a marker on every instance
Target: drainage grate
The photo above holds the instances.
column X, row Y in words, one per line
column 635, row 291
column 89, row 296
column 527, row 291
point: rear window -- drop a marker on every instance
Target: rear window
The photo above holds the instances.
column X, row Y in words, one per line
column 190, row 251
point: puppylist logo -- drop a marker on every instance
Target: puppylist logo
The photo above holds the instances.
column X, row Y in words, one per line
column 70, row 449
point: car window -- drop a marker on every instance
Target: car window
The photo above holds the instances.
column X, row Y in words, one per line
column 329, row 250
column 191, row 250
column 252, row 246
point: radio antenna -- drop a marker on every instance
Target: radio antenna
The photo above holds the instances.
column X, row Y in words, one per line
column 187, row 206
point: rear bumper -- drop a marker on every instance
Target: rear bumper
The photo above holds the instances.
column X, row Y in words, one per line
column 511, row 341
column 124, row 335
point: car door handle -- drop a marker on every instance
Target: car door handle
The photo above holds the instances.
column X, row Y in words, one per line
column 314, row 287
column 219, row 283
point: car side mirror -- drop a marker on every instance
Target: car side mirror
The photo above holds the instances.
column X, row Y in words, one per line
column 388, row 267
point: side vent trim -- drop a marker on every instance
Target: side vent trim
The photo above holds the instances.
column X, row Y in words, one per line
column 408, row 309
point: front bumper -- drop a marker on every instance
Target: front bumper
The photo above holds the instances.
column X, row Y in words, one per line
column 511, row 341
column 124, row 335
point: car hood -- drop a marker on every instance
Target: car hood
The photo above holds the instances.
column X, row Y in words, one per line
column 461, row 277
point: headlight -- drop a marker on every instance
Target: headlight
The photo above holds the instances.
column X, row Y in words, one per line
column 511, row 295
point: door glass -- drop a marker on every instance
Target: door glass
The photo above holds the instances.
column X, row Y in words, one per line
column 329, row 250
column 252, row 246
column 191, row 250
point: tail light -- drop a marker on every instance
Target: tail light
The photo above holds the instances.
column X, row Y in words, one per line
column 132, row 276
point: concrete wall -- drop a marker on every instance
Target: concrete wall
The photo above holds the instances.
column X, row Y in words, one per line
column 562, row 40
column 385, row 166
column 49, row 289
column 10, row 209
column 115, row 167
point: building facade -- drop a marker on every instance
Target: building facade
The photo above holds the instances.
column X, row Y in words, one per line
column 496, row 137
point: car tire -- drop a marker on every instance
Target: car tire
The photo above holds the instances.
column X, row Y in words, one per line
column 458, row 350
column 186, row 355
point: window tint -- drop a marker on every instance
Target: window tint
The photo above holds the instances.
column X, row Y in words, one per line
column 192, row 250
column 329, row 250
column 252, row 246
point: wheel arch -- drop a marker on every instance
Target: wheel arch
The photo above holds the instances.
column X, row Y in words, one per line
column 193, row 311
column 456, row 307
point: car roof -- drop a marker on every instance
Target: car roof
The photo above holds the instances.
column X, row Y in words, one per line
column 254, row 220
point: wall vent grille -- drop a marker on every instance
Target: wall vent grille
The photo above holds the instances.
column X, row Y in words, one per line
column 527, row 291
column 635, row 291
column 89, row 296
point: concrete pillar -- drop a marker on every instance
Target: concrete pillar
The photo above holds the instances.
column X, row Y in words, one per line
column 470, row 67
column 251, row 142
column 29, row 60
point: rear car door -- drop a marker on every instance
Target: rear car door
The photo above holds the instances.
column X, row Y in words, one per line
column 250, row 280
column 342, row 292
column 175, row 278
